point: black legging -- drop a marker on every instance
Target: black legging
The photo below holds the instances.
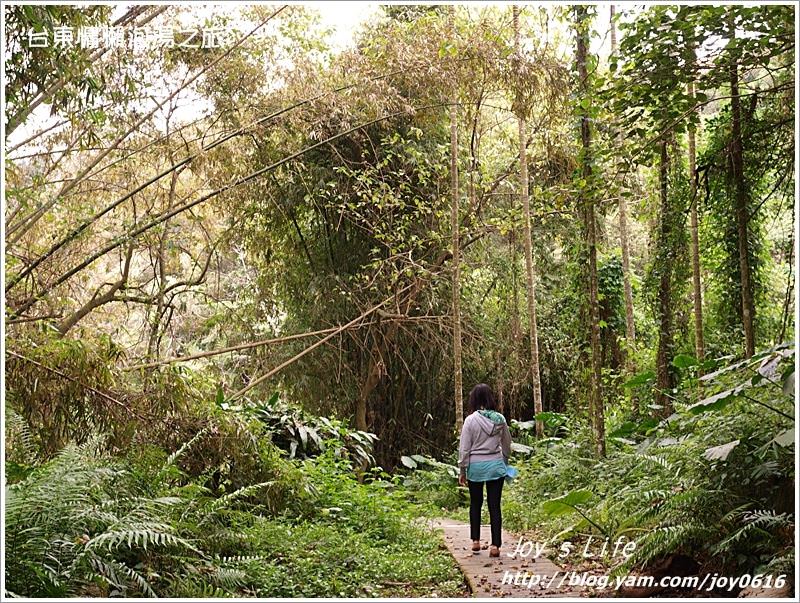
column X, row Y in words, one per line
column 494, row 489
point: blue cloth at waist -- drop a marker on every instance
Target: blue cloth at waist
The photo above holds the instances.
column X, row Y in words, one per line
column 485, row 471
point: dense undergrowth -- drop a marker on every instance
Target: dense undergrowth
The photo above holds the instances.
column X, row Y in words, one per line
column 262, row 501
column 714, row 481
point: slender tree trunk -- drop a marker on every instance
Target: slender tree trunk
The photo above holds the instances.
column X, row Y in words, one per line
column 536, row 381
column 374, row 374
column 155, row 322
column 458, row 394
column 596, row 410
column 516, row 330
column 699, row 346
column 630, row 326
column 515, row 322
column 741, row 202
column 664, row 377
column 160, row 269
column 787, row 300
column 501, row 384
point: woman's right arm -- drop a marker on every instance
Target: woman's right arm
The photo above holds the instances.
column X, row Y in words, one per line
column 505, row 443
column 464, row 449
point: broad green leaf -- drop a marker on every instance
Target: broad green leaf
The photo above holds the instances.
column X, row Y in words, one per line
column 567, row 503
column 785, row 439
column 715, row 402
column 408, row 462
column 627, row 428
column 640, row 379
column 648, row 424
column 551, row 419
column 521, row 448
column 303, row 432
column 723, row 370
column 720, row 453
column 314, row 435
column 788, row 385
column 684, row 361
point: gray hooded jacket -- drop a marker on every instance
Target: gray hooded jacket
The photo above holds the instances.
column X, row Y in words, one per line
column 483, row 440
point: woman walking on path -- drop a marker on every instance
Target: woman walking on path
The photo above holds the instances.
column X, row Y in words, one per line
column 483, row 459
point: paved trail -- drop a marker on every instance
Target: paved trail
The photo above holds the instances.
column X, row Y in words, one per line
column 485, row 574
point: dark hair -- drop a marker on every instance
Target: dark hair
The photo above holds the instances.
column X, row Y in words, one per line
column 481, row 396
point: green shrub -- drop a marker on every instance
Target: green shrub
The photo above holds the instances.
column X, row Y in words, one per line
column 715, row 480
column 86, row 524
column 76, row 526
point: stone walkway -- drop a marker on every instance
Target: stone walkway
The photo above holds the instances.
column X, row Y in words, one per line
column 486, row 575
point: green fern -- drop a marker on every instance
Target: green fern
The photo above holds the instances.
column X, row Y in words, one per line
column 662, row 541
column 76, row 519
column 139, row 535
column 782, row 564
column 758, row 525
column 225, row 501
column 173, row 458
column 229, row 578
column 20, row 445
column 110, row 570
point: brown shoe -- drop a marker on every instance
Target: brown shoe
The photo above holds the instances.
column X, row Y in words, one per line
column 494, row 551
column 476, row 545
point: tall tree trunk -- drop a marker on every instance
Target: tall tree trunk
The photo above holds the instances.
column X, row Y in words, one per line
column 160, row 268
column 787, row 300
column 516, row 327
column 630, row 326
column 515, row 322
column 699, row 346
column 161, row 273
column 741, row 200
column 536, row 380
column 458, row 395
column 596, row 410
column 664, row 375
column 374, row 374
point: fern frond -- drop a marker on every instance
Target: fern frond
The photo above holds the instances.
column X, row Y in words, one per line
column 658, row 460
column 107, row 570
column 666, row 539
column 224, row 502
column 175, row 456
column 229, row 578
column 140, row 535
column 20, row 443
column 139, row 580
column 766, row 518
column 755, row 523
column 784, row 564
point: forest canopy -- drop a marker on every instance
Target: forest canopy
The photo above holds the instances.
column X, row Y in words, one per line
column 251, row 271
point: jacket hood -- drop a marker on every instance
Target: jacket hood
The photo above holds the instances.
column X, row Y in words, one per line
column 493, row 416
column 489, row 424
